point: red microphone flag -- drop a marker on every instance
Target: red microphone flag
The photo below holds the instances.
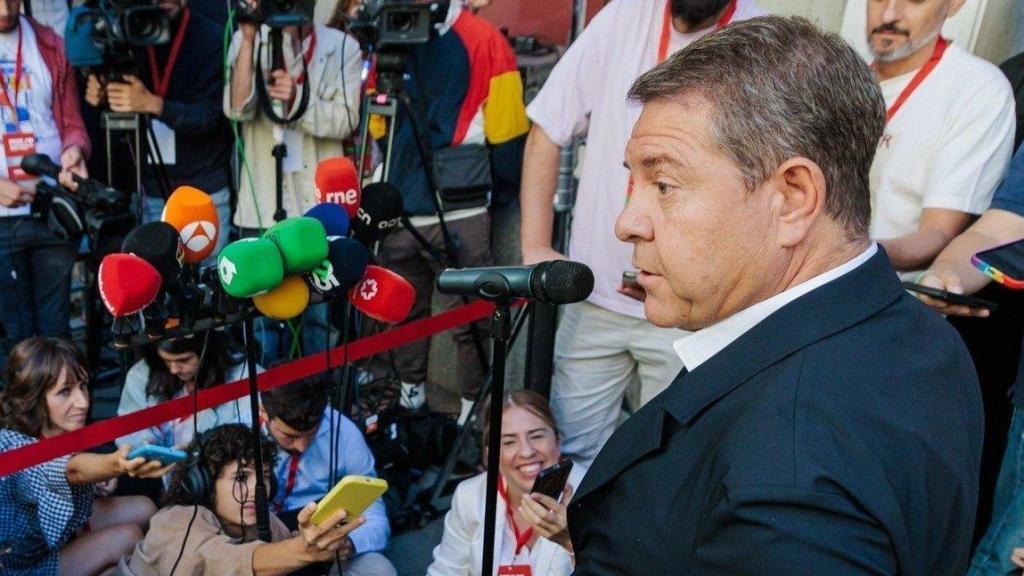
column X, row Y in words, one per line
column 383, row 295
column 337, row 183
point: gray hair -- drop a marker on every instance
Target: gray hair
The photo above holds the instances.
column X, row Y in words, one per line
column 781, row 88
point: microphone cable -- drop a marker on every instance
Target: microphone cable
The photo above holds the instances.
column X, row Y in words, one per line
column 198, row 447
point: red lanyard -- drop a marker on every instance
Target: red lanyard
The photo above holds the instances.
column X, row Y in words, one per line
column 17, row 79
column 940, row 49
column 308, row 56
column 293, row 468
column 161, row 83
column 521, row 537
column 667, row 22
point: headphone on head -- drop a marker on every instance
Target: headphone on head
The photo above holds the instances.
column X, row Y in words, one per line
column 196, row 483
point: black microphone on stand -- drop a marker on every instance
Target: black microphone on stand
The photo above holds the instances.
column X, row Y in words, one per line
column 553, row 282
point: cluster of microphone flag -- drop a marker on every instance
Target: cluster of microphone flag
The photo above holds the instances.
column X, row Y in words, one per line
column 303, row 260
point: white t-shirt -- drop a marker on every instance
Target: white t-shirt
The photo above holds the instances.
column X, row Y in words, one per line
column 35, row 100
column 948, row 146
column 587, row 89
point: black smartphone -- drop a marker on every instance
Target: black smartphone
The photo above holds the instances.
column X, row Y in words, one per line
column 551, row 480
column 945, row 296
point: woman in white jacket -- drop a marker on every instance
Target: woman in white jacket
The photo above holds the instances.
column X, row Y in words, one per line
column 529, row 443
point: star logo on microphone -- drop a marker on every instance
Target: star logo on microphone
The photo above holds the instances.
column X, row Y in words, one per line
column 368, row 290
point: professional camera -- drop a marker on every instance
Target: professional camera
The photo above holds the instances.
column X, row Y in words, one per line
column 276, row 13
column 397, row 23
column 103, row 33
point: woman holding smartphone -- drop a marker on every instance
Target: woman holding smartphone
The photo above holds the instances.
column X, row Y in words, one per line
column 530, row 527
column 218, row 514
column 50, row 522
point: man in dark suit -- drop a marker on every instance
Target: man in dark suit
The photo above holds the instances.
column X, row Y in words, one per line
column 826, row 422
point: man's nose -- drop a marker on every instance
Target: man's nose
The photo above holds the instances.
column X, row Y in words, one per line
column 634, row 223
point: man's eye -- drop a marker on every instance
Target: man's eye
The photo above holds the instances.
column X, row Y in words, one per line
column 663, row 188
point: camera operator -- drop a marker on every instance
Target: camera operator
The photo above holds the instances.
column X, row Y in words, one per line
column 466, row 93
column 39, row 113
column 333, row 64
column 179, row 88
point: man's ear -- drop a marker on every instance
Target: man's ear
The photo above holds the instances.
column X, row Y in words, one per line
column 954, row 7
column 798, row 199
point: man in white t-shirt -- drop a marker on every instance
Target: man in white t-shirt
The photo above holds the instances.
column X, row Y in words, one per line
column 949, row 133
column 605, row 343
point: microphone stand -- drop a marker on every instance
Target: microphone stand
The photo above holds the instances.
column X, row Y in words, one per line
column 262, row 501
column 500, row 334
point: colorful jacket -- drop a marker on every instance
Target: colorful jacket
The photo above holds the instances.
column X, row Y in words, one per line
column 466, row 86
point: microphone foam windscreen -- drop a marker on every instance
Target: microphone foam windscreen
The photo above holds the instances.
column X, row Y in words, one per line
column 193, row 214
column 337, row 183
column 341, row 270
column 127, row 283
column 333, row 217
column 302, row 242
column 383, row 295
column 157, row 243
column 379, row 213
column 284, row 302
column 561, row 282
column 249, row 267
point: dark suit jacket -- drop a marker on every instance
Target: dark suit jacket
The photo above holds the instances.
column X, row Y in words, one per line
column 841, row 435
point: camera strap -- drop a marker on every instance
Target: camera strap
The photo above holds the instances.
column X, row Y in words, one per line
column 307, row 58
column 161, row 82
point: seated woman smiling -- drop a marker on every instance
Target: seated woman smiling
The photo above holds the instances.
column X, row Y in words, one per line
column 209, row 523
column 530, row 528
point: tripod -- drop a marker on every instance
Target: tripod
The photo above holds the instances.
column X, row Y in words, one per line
column 386, row 104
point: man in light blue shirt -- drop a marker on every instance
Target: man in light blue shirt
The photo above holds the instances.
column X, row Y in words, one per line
column 299, row 420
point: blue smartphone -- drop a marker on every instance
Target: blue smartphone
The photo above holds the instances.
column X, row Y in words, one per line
column 161, row 454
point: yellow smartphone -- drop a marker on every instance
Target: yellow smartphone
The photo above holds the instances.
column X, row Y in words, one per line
column 354, row 494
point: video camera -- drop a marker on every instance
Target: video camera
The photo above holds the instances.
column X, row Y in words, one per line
column 105, row 213
column 102, row 34
column 386, row 24
column 276, row 13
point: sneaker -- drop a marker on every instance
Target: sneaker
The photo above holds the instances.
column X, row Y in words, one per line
column 414, row 396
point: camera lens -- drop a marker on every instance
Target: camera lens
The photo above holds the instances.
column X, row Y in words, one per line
column 402, row 22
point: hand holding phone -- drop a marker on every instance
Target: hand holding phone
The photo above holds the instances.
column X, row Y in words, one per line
column 353, row 493
column 542, row 508
column 165, row 456
column 946, row 302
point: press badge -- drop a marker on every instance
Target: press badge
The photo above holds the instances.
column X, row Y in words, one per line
column 515, row 570
column 17, row 145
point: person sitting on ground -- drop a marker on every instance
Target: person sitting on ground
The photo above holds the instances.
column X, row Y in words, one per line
column 50, row 521
column 530, row 442
column 208, row 525
column 300, row 421
column 174, row 369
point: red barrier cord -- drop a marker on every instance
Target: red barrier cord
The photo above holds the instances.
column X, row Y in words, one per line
column 108, row 430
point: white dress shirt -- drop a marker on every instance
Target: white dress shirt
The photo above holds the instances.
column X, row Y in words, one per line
column 698, row 347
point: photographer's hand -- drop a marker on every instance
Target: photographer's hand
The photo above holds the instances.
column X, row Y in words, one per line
column 283, row 86
column 13, row 196
column 133, row 96
column 72, row 161
column 95, row 91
